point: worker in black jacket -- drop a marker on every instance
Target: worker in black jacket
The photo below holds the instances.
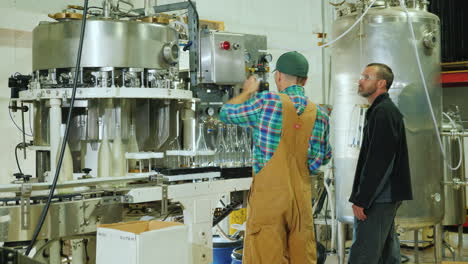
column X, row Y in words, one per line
column 382, row 178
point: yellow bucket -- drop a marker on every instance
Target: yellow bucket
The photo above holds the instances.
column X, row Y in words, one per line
column 237, row 217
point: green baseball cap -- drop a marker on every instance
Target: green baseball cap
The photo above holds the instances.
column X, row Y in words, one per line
column 293, row 63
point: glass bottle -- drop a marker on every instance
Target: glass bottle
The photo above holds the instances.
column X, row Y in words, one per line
column 246, row 147
column 104, row 155
column 132, row 147
column 250, row 142
column 118, row 154
column 232, row 152
column 228, row 157
column 173, row 161
column 238, row 158
column 220, row 150
column 66, row 170
column 202, row 158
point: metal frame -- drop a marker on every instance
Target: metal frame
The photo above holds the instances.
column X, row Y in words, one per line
column 108, row 92
column 78, row 217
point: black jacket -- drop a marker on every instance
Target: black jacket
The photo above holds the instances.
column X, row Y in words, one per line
column 384, row 141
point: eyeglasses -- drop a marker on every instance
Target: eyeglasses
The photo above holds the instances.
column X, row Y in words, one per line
column 366, row 77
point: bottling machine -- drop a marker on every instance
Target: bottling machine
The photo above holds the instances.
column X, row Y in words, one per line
column 143, row 137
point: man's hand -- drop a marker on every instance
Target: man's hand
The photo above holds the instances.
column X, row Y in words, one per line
column 359, row 213
column 251, row 85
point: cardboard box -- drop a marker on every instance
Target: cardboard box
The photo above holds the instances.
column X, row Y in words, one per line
column 142, row 242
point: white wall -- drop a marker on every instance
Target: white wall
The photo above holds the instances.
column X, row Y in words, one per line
column 288, row 25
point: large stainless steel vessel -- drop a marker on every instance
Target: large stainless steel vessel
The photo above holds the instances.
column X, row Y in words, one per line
column 383, row 36
column 108, row 43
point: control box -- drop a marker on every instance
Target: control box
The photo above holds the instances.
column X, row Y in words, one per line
column 222, row 58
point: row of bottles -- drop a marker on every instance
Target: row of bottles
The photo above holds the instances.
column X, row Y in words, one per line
column 111, row 161
column 230, row 150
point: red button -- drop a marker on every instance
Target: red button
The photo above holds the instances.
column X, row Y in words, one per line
column 297, row 126
column 225, row 45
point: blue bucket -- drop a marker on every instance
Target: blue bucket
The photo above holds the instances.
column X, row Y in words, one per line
column 236, row 256
column 222, row 249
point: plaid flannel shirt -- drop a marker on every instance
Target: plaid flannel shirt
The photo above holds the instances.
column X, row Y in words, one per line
column 263, row 113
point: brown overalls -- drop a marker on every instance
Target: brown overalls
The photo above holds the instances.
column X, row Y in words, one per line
column 279, row 213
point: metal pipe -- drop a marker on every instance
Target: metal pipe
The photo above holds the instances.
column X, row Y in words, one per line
column 324, row 99
column 24, row 129
column 460, row 134
column 107, row 8
column 149, row 7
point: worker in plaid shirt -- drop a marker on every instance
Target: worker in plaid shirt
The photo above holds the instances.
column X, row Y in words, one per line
column 290, row 136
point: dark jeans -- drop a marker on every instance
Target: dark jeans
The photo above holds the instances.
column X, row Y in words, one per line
column 375, row 239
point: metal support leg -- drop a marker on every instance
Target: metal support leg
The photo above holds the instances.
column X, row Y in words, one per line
column 438, row 243
column 90, row 250
column 198, row 216
column 444, row 245
column 416, row 245
column 78, row 252
column 460, row 242
column 54, row 253
column 341, row 242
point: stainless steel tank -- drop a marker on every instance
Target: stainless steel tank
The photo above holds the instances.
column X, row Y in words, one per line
column 383, row 36
column 108, row 43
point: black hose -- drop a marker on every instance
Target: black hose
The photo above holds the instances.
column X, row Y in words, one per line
column 65, row 137
column 16, row 125
column 16, row 157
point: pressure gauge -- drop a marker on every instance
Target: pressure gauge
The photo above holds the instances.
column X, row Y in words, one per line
column 267, row 58
column 210, row 111
column 247, row 57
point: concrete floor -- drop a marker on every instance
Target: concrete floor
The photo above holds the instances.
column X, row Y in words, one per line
column 426, row 256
